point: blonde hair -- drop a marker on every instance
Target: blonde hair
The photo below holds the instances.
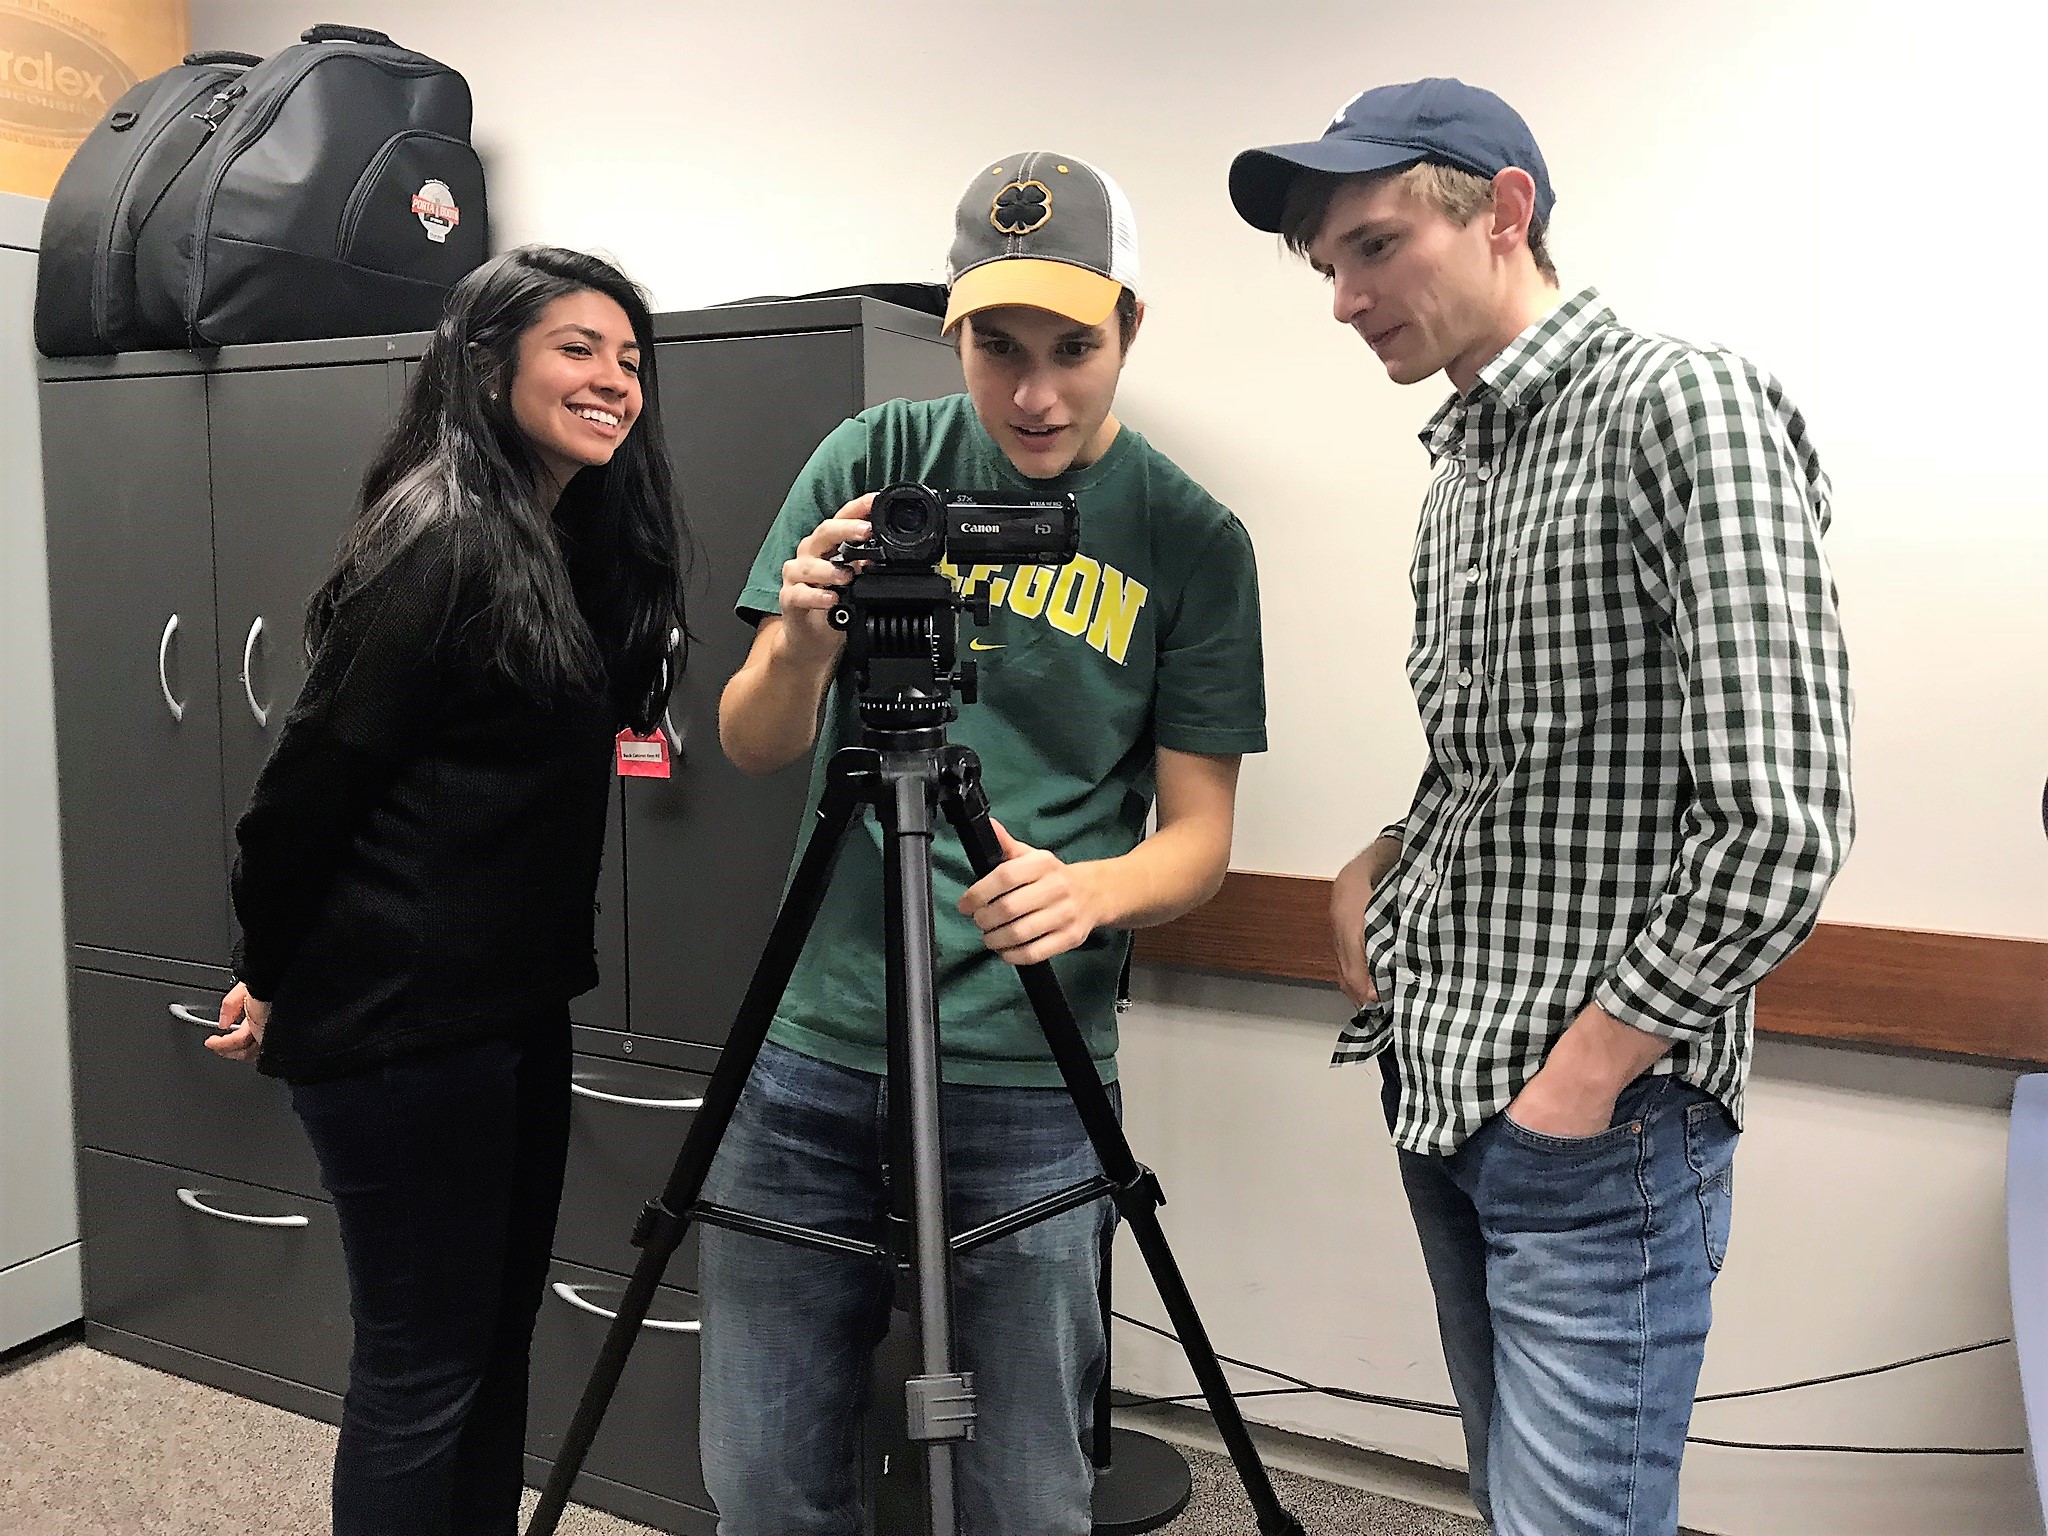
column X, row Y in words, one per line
column 1458, row 195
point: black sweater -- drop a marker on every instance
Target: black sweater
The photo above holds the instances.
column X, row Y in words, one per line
column 418, row 864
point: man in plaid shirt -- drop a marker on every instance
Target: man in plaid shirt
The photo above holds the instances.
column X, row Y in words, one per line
column 1631, row 677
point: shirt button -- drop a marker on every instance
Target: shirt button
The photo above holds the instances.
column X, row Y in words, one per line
column 1484, row 472
column 1471, row 575
column 1465, row 677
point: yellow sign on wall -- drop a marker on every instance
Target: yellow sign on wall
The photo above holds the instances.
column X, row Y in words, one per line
column 63, row 65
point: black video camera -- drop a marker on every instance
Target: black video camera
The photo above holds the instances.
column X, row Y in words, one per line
column 900, row 613
column 918, row 526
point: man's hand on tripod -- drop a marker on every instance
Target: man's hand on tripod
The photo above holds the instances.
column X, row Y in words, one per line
column 1033, row 905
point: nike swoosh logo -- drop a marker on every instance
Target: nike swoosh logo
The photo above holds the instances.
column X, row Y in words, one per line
column 983, row 645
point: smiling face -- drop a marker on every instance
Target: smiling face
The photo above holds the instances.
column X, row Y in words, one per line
column 1424, row 291
column 1043, row 385
column 576, row 388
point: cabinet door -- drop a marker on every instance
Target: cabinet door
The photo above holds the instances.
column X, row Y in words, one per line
column 707, row 849
column 246, row 1275
column 604, row 1007
column 132, row 633
column 627, row 1123
column 648, row 1439
column 290, row 446
column 149, row 1088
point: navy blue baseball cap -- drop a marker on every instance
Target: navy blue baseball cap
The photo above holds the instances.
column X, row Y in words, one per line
column 1390, row 128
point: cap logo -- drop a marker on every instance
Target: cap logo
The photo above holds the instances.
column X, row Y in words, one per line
column 1021, row 207
column 1345, row 110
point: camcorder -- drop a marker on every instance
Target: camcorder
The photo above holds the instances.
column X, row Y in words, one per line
column 918, row 526
column 900, row 614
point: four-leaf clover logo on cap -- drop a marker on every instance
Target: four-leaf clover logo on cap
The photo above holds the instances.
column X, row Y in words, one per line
column 1021, row 207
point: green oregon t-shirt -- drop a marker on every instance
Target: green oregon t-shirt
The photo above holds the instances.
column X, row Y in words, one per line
column 1149, row 638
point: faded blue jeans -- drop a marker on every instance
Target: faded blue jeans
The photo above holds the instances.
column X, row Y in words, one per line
column 789, row 1332
column 1573, row 1279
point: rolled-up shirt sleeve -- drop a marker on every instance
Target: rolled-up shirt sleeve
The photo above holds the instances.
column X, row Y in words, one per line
column 1731, row 547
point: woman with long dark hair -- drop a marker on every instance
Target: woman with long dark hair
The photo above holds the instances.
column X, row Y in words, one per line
column 418, row 863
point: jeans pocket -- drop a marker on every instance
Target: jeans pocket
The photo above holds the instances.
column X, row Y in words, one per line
column 1543, row 1141
column 1710, row 1149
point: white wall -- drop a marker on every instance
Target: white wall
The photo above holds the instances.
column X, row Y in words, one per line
column 1841, row 189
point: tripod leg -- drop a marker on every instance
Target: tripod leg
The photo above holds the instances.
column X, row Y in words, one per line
column 1138, row 1195
column 666, row 1218
column 940, row 1404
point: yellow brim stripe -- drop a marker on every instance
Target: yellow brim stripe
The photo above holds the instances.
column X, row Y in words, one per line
column 1085, row 297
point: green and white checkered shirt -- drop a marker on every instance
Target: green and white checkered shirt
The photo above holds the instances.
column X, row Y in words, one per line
column 1632, row 680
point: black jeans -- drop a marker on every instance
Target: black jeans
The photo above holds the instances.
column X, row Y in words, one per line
column 446, row 1171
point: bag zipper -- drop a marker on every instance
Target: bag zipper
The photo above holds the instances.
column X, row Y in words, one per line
column 103, row 257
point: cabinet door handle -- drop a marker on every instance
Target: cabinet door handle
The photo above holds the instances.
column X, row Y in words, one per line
column 185, row 1015
column 163, row 668
column 572, row 1294
column 261, row 713
column 620, row 1098
column 675, row 737
column 190, row 1198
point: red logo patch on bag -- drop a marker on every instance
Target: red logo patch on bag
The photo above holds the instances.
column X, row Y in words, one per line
column 434, row 204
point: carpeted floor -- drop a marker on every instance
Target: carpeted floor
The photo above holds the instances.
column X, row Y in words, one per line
column 92, row 1445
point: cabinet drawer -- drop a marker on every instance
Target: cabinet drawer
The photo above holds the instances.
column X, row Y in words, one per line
column 243, row 1274
column 147, row 1086
column 627, row 1123
column 649, row 1436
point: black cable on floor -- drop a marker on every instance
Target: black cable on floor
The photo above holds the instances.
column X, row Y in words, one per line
column 1300, row 1387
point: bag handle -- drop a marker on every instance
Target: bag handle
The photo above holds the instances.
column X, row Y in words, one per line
column 225, row 56
column 332, row 32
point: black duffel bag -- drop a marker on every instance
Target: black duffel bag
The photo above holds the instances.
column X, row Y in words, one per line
column 85, row 282
column 329, row 191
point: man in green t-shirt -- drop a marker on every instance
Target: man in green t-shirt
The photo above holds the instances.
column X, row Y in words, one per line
column 1128, row 677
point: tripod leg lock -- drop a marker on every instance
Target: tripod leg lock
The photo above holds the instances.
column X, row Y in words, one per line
column 658, row 1225
column 1139, row 1194
column 941, row 1407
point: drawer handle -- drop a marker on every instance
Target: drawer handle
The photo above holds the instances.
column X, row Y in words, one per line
column 185, row 1015
column 619, row 1098
column 190, row 1199
column 163, row 679
column 572, row 1294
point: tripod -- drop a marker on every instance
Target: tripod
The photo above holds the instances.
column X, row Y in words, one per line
column 906, row 771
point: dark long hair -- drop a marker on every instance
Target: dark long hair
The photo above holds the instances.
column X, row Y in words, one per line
column 457, row 462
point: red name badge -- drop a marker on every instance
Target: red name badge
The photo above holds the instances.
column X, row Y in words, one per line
column 643, row 757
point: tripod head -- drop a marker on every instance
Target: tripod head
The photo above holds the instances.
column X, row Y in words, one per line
column 901, row 614
column 902, row 648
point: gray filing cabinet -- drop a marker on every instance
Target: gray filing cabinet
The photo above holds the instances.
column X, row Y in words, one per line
column 39, row 1253
column 194, row 502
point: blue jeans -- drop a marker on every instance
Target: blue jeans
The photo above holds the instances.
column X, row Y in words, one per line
column 789, row 1332
column 446, row 1169
column 1573, row 1279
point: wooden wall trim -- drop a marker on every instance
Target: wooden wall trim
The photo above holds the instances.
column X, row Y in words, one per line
column 1938, row 993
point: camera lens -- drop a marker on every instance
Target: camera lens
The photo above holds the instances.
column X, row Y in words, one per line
column 906, row 517
column 910, row 524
